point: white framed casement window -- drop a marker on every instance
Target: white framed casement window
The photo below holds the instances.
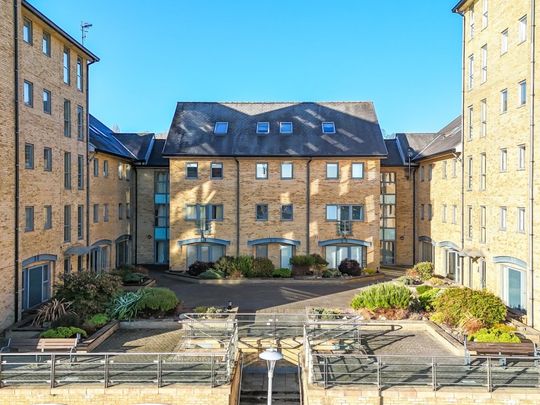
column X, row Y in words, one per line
column 216, row 170
column 263, row 127
column 521, row 157
column 522, row 93
column 504, row 41
column 470, row 81
column 485, row 7
column 483, row 174
column 28, row 93
column 502, row 218
column 286, row 170
column 483, row 118
column 46, row 43
column 79, row 74
column 504, row 101
column 521, row 220
column 483, row 214
column 470, row 122
column 484, row 63
column 503, row 166
column 514, row 287
column 469, row 222
column 522, row 30
column 27, row 31
column 261, row 171
column 192, row 170
column 47, row 215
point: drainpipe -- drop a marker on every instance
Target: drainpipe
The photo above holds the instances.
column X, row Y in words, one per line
column 17, row 190
column 87, row 87
column 308, row 203
column 134, row 216
column 462, row 132
column 237, row 206
column 413, row 173
column 531, row 165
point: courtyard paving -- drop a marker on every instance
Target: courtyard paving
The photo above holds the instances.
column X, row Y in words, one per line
column 262, row 297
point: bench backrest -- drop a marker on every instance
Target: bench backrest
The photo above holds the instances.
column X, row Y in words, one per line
column 502, row 348
column 51, row 344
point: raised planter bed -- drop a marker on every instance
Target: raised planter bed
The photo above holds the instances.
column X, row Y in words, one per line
column 149, row 282
column 98, row 337
column 296, row 280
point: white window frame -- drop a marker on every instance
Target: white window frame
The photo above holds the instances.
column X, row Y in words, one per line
column 483, row 171
column 503, row 218
column 470, row 81
column 483, row 118
column 504, row 101
column 522, row 29
column 332, row 164
column 504, row 41
column 522, row 93
column 484, row 63
column 521, row 220
column 522, row 151
column 470, row 122
column 261, row 125
column 485, row 9
column 503, row 166
column 283, row 127
column 325, row 125
column 261, row 175
column 221, row 127
column 288, row 166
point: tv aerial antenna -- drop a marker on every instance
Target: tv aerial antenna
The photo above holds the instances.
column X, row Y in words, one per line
column 84, row 30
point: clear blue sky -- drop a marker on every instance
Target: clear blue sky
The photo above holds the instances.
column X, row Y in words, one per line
column 405, row 56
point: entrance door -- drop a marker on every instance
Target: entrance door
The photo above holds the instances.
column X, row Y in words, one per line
column 285, row 254
column 388, row 252
column 36, row 285
column 452, row 264
column 515, row 289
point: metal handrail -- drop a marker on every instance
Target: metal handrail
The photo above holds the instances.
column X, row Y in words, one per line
column 241, row 372
column 434, row 371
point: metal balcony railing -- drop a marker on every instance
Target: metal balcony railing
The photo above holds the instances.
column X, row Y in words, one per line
column 344, row 227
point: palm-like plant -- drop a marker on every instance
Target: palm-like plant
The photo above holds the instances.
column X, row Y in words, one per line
column 52, row 311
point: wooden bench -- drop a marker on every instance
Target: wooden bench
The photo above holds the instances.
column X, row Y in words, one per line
column 523, row 349
column 41, row 345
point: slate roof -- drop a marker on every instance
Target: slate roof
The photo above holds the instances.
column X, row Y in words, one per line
column 395, row 155
column 136, row 143
column 357, row 130
column 425, row 145
column 103, row 139
column 156, row 158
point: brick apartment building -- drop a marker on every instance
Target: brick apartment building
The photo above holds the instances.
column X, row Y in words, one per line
column 267, row 179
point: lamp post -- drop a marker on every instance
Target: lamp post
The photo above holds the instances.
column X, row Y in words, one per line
column 272, row 356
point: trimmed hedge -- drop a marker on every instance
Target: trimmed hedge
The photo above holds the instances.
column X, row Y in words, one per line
column 282, row 273
column 157, row 300
column 262, row 267
column 350, row 267
column 63, row 332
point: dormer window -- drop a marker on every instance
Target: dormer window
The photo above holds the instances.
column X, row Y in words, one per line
column 328, row 128
column 285, row 127
column 221, row 128
column 263, row 127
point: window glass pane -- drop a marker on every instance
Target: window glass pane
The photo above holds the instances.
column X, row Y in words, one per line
column 285, row 253
column 286, row 127
column 191, row 170
column 332, row 212
column 263, row 127
column 345, row 212
column 331, row 257
column 191, row 212
column 262, row 171
column 262, row 212
column 328, row 127
column 332, row 170
column 191, row 251
column 261, row 251
column 286, row 170
column 216, row 251
column 357, row 212
column 221, row 128
column 217, row 170
column 287, row 212
column 358, row 170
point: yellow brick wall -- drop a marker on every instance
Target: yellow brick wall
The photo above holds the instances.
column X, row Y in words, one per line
column 110, row 190
column 38, row 187
column 439, row 191
column 7, row 168
column 274, row 191
column 404, row 215
column 504, row 130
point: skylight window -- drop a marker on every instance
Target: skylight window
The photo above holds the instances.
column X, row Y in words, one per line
column 263, row 127
column 285, row 127
column 221, row 128
column 328, row 128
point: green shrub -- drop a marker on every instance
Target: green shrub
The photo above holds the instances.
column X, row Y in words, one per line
column 427, row 298
column 303, row 260
column 423, row 288
column 282, row 273
column 436, row 281
column 331, row 273
column 196, row 268
column 383, row 296
column 405, row 280
column 63, row 332
column 157, row 300
column 125, row 305
column 350, row 267
column 262, row 267
column 211, row 275
column 369, row 272
column 497, row 334
column 244, row 265
column 98, row 320
column 90, row 293
column 68, row 319
column 133, row 278
column 455, row 305
column 327, row 314
column 227, row 265
column 424, row 270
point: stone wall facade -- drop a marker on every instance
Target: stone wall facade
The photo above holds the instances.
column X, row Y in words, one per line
column 274, row 192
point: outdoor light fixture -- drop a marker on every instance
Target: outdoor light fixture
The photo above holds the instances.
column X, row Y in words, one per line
column 272, row 356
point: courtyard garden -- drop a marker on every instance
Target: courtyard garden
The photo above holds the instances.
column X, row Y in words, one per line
column 311, row 266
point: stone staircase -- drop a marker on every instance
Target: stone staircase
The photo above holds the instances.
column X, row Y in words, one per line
column 286, row 390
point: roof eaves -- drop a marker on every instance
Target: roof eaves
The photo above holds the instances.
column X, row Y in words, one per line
column 51, row 23
column 456, row 8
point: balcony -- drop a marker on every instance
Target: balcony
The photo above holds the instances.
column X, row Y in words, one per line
column 344, row 227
